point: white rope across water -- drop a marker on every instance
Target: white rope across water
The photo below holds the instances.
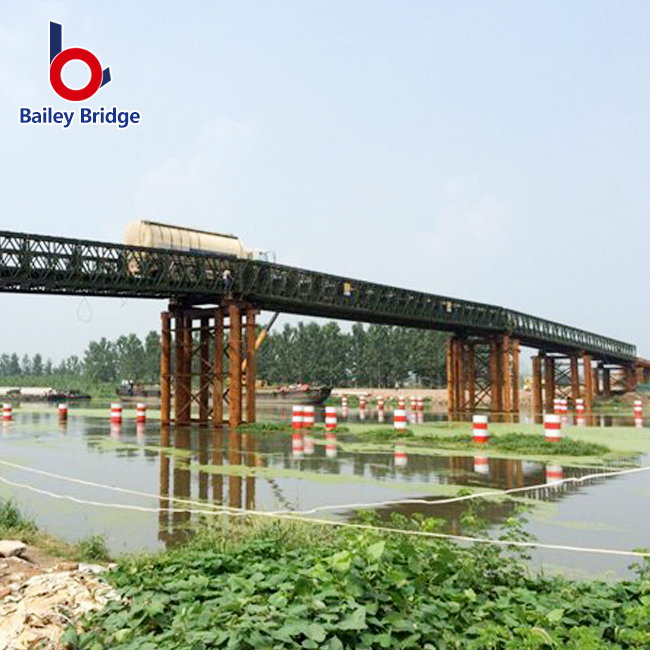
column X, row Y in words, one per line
column 341, row 506
column 341, row 524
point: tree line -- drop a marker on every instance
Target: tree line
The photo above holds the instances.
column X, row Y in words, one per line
column 103, row 361
column 375, row 355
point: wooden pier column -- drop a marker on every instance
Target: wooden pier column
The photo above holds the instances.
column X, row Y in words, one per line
column 204, row 372
column 596, row 380
column 185, row 416
column 180, row 390
column 537, row 397
column 496, row 376
column 589, row 382
column 507, row 376
column 217, row 459
column 471, row 376
column 515, row 375
column 452, row 404
column 165, row 369
column 234, row 366
column 458, row 376
column 607, row 383
column 575, row 378
column 251, row 366
column 549, row 383
column 217, row 370
column 640, row 375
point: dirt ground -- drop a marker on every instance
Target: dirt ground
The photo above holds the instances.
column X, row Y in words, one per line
column 41, row 595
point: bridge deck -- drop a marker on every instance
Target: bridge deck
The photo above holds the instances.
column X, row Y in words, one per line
column 42, row 264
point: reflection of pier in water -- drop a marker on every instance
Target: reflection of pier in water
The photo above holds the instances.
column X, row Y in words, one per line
column 233, row 490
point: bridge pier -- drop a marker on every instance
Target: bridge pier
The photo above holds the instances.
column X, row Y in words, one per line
column 482, row 372
column 194, row 378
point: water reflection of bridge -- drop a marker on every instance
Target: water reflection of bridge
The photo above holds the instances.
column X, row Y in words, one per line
column 215, row 450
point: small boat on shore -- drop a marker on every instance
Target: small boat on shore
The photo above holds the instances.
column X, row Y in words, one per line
column 40, row 394
column 293, row 394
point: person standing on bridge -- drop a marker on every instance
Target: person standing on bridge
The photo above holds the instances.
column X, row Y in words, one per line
column 227, row 282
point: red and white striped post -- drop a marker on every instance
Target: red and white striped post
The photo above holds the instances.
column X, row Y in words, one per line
column 554, row 474
column 580, row 406
column 297, row 418
column 380, row 403
column 115, row 430
column 638, row 409
column 344, row 401
column 420, row 404
column 552, row 427
column 308, row 416
column 401, row 459
column 480, row 428
column 557, row 406
column 63, row 412
column 401, row 403
column 7, row 412
column 116, row 413
column 399, row 419
column 330, row 418
column 140, row 413
column 362, row 407
column 481, row 465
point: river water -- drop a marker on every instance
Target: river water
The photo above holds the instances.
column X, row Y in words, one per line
column 149, row 464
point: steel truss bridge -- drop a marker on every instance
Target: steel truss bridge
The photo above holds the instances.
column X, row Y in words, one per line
column 57, row 265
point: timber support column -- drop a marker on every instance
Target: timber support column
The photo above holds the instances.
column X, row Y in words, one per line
column 251, row 366
column 588, row 379
column 515, row 375
column 496, row 375
column 575, row 378
column 538, row 396
column 607, row 383
column 507, row 376
column 451, row 406
column 549, row 383
column 182, row 385
column 640, row 375
column 235, row 366
column 204, row 371
column 217, row 370
column 471, row 376
column 459, row 370
column 165, row 369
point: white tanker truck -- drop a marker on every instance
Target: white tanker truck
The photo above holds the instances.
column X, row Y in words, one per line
column 150, row 234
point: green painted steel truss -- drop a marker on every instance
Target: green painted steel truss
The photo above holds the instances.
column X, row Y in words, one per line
column 41, row 264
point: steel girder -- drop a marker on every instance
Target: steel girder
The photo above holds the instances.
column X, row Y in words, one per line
column 42, row 264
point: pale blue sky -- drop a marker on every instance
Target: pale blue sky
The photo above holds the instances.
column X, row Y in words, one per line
column 495, row 151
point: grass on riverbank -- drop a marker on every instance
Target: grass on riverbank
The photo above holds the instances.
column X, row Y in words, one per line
column 15, row 525
column 280, row 585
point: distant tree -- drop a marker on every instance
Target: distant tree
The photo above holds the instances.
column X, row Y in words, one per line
column 130, row 357
column 37, row 365
column 47, row 370
column 26, row 365
column 14, row 365
column 100, row 361
column 152, row 356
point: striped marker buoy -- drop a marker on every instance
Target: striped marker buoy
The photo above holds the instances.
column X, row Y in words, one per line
column 296, row 417
column 638, row 408
column 344, row 401
column 554, row 473
column 140, row 413
column 331, row 448
column 552, row 427
column 638, row 423
column 401, row 403
column 399, row 419
column 480, row 428
column 580, row 406
column 362, row 402
column 330, row 418
column 7, row 412
column 481, row 465
column 380, row 403
column 63, row 412
column 116, row 413
column 308, row 416
column 420, row 404
column 401, row 459
column 297, row 443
